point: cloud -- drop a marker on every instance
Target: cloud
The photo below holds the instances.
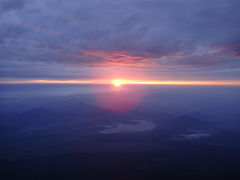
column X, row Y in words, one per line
column 194, row 135
column 178, row 34
column 138, row 126
column 232, row 49
column 119, row 58
column 9, row 5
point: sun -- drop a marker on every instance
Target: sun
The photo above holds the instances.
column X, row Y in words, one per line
column 117, row 83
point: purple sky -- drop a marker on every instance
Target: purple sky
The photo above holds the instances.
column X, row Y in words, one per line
column 160, row 39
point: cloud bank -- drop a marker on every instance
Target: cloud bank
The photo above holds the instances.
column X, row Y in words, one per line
column 153, row 34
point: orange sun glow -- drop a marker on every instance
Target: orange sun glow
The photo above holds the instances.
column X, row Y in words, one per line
column 120, row 82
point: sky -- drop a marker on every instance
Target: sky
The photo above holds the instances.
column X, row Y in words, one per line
column 133, row 39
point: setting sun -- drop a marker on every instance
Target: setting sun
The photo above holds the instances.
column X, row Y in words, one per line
column 117, row 83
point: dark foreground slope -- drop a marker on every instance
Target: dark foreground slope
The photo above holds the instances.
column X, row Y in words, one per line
column 71, row 137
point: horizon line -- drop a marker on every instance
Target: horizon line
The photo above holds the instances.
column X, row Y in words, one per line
column 128, row 82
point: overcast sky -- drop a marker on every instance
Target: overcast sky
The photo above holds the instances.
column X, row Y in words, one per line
column 161, row 39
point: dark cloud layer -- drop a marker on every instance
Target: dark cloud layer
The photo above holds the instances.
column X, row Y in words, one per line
column 158, row 34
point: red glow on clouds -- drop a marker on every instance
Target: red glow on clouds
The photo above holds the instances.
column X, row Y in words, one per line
column 120, row 58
